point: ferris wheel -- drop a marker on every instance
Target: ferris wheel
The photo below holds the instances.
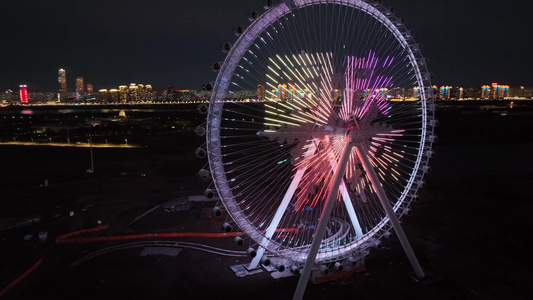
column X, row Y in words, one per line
column 320, row 100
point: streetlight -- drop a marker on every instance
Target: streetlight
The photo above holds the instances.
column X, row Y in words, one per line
column 126, row 140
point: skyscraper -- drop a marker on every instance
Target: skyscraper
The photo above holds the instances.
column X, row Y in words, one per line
column 23, row 91
column 148, row 93
column 90, row 89
column 416, row 92
column 499, row 91
column 260, row 92
column 62, row 79
column 133, row 92
column 445, row 92
column 123, row 93
column 79, row 85
column 485, row 92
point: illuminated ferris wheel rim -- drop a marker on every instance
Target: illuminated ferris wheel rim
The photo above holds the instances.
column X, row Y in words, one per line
column 265, row 20
column 245, row 40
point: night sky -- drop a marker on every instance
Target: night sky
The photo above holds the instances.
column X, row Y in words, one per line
column 161, row 42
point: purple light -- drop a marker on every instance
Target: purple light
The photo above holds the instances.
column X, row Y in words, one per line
column 374, row 84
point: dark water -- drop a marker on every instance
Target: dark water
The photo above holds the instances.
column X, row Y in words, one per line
column 494, row 136
column 474, row 240
column 107, row 124
column 475, row 139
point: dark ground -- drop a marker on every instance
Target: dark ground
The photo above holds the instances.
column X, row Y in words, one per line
column 470, row 227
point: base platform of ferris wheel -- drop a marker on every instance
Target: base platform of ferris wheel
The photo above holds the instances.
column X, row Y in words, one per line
column 319, row 275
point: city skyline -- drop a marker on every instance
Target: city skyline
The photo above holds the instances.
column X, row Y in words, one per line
column 234, row 149
column 467, row 44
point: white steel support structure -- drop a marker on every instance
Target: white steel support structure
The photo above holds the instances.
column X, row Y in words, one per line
column 322, row 224
column 361, row 153
column 282, row 207
column 348, row 203
column 328, row 206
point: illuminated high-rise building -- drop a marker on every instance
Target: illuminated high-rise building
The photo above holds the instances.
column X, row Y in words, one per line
column 382, row 92
column 505, row 91
column 291, row 91
column 500, row 91
column 148, row 92
column 133, row 92
column 445, row 92
column 366, row 93
column 485, row 92
column 282, row 91
column 103, row 95
column 79, row 85
column 494, row 91
column 62, row 79
column 144, row 92
column 141, row 92
column 260, row 92
column 114, row 95
column 416, row 92
column 23, row 92
column 123, row 93
column 168, row 93
column 90, row 89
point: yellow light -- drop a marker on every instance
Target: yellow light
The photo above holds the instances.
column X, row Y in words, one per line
column 273, row 71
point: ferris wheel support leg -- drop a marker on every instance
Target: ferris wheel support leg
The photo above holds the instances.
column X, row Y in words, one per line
column 322, row 224
column 282, row 207
column 348, row 203
column 351, row 211
column 257, row 258
column 361, row 153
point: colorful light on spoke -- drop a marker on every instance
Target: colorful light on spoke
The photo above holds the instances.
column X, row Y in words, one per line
column 308, row 109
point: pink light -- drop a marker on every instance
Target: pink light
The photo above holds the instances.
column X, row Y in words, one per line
column 23, row 93
column 363, row 77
